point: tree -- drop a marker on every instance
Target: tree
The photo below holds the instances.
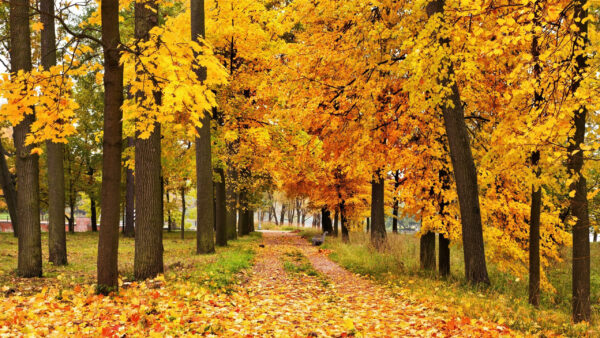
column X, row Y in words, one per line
column 204, row 186
column 221, row 212
column 148, row 261
column 9, row 190
column 108, row 243
column 57, row 241
column 129, row 226
column 578, row 187
column 327, row 224
column 427, row 251
column 465, row 172
column 27, row 162
column 378, row 233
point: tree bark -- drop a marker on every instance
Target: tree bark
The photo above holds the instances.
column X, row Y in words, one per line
column 169, row 218
column 244, row 222
column 108, row 243
column 396, row 202
column 182, row 213
column 579, row 203
column 275, row 214
column 28, row 205
column 129, row 227
column 9, row 191
column 148, row 259
column 231, row 198
column 335, row 223
column 427, row 251
column 57, row 240
column 327, row 224
column 282, row 218
column 444, row 255
column 344, row 226
column 536, row 192
column 465, row 172
column 534, row 246
column 204, row 186
column 444, row 243
column 221, row 214
column 378, row 233
column 92, row 214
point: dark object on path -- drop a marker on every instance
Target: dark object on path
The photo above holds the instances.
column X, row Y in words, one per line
column 318, row 240
column 261, row 245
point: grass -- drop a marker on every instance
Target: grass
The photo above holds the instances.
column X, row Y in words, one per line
column 505, row 301
column 295, row 263
column 273, row 226
column 217, row 270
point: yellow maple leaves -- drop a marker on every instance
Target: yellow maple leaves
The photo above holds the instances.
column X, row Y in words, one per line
column 45, row 94
column 166, row 64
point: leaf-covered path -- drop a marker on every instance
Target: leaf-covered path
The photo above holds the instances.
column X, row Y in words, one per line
column 335, row 302
column 293, row 290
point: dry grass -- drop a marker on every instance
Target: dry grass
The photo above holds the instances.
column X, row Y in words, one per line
column 504, row 301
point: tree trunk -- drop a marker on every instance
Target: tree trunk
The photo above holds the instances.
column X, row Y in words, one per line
column 282, row 218
column 291, row 211
column 231, row 198
column 204, row 186
column 9, row 191
column 251, row 220
column 579, row 203
column 344, row 226
column 108, row 243
column 427, row 251
column 327, row 224
column 57, row 240
column 148, row 259
column 221, row 214
column 182, row 213
column 275, row 215
column 396, row 202
column 395, row 216
column 92, row 214
column 444, row 255
column 28, row 203
column 303, row 218
column 335, row 223
column 534, row 246
column 378, row 233
column 444, row 243
column 243, row 214
column 368, row 221
column 169, row 219
column 465, row 172
column 536, row 192
column 129, row 226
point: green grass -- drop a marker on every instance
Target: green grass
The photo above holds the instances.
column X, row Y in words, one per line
column 295, row 263
column 216, row 270
column 273, row 226
column 504, row 301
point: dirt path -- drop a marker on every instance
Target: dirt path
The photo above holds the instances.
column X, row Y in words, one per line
column 334, row 302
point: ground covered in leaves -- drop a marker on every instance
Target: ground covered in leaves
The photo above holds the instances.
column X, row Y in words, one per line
column 293, row 289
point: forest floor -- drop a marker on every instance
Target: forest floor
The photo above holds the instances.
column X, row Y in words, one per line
column 297, row 290
column 396, row 266
column 292, row 289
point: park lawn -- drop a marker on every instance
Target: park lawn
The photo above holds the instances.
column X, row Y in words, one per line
column 287, row 227
column 505, row 301
column 215, row 270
